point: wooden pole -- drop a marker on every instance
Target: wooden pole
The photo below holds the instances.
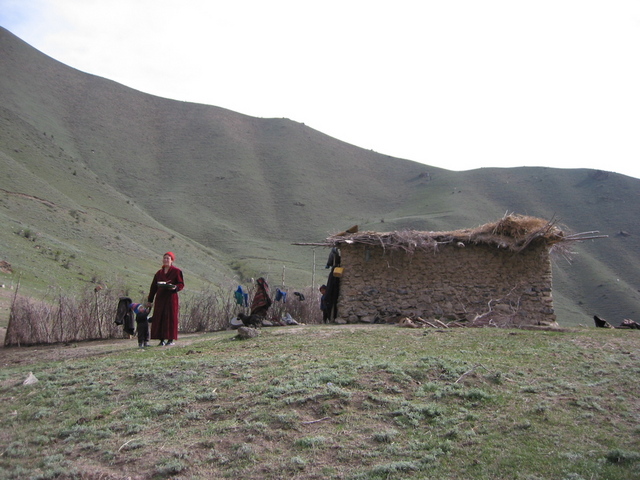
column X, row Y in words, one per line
column 313, row 274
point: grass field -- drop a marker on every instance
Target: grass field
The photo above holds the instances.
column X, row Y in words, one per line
column 341, row 402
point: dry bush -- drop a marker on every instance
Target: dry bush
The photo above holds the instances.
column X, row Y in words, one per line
column 63, row 318
column 306, row 311
column 28, row 322
column 213, row 309
column 206, row 311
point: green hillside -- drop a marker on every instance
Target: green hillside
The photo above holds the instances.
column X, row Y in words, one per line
column 97, row 180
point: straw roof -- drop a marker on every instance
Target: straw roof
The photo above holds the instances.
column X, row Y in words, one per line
column 512, row 232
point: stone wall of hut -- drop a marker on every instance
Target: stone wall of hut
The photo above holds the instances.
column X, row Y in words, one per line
column 471, row 283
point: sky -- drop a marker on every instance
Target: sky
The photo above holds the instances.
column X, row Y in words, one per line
column 456, row 84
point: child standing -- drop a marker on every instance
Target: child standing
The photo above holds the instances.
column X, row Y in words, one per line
column 142, row 323
column 323, row 304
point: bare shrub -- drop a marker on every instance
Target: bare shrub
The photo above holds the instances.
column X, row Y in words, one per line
column 28, row 322
column 212, row 310
column 206, row 311
column 305, row 311
column 63, row 318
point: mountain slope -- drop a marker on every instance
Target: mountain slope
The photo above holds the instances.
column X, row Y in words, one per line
column 105, row 178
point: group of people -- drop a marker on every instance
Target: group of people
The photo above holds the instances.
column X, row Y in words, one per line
column 163, row 297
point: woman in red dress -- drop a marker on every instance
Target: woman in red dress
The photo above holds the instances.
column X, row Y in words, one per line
column 167, row 282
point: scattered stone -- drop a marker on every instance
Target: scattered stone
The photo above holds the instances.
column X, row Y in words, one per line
column 407, row 323
column 601, row 322
column 30, row 380
column 628, row 323
column 245, row 333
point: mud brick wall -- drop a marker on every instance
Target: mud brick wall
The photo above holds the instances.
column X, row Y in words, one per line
column 452, row 283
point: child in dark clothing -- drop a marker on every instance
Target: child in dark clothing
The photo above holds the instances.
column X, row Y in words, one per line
column 323, row 304
column 142, row 323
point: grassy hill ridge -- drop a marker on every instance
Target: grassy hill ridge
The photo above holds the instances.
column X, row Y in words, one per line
column 106, row 178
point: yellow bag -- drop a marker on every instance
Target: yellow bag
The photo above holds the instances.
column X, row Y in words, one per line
column 338, row 271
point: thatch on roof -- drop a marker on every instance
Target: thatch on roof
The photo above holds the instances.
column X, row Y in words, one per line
column 512, row 232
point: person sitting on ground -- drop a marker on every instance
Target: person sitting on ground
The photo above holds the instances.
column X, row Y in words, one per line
column 261, row 299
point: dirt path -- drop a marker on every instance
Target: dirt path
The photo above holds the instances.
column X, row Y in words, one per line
column 12, row 356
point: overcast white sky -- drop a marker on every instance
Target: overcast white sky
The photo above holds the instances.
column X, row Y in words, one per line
column 455, row 84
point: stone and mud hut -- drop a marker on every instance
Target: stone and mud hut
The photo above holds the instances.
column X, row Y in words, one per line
column 498, row 274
